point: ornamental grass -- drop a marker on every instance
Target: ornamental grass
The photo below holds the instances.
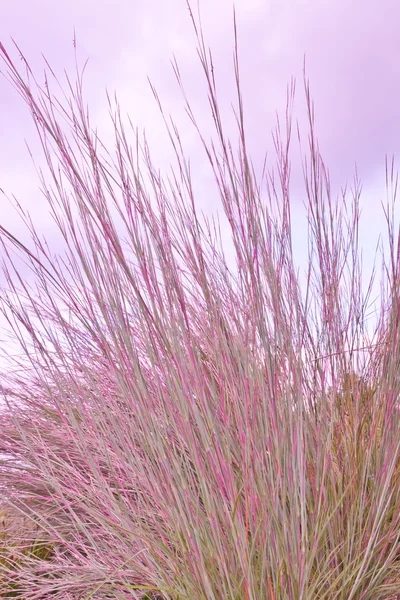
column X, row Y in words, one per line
column 177, row 427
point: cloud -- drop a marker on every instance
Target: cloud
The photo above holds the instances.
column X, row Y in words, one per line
column 351, row 51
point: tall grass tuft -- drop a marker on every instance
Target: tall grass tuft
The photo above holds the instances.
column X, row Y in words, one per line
column 183, row 430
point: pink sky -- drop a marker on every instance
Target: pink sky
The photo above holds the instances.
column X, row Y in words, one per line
column 352, row 53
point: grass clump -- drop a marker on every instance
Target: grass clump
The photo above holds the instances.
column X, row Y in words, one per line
column 182, row 430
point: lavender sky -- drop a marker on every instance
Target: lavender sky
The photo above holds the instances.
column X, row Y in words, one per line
column 352, row 51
